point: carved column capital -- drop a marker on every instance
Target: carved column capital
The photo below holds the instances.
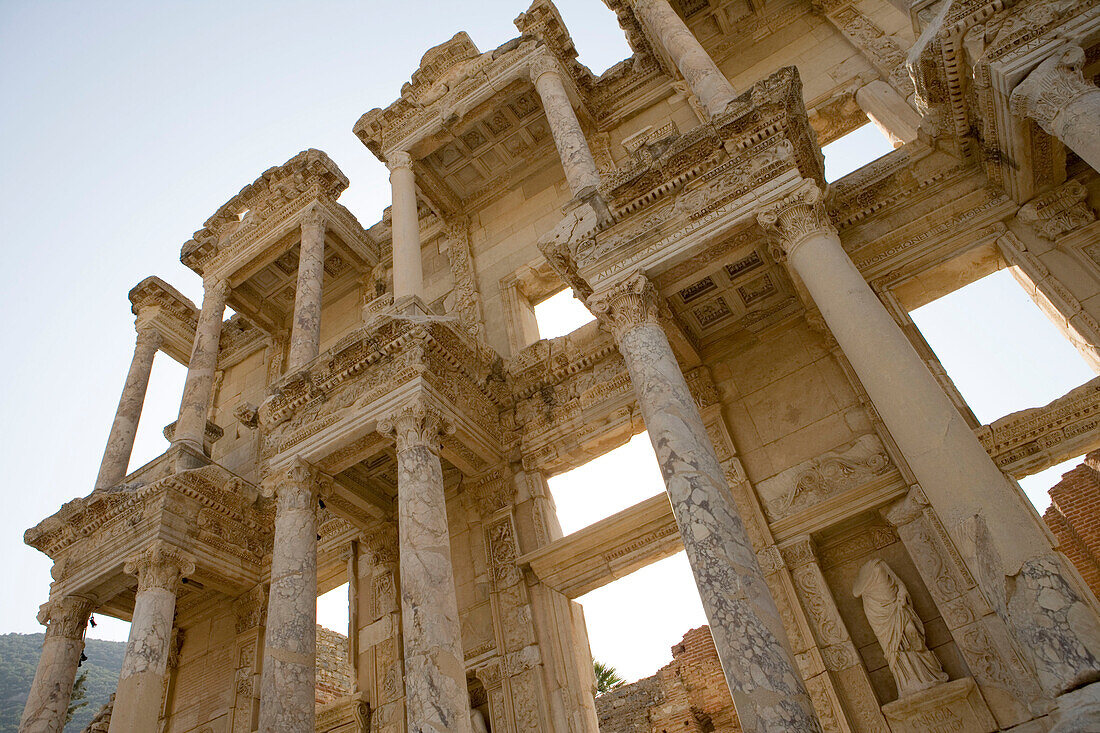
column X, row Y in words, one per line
column 314, row 218
column 148, row 337
column 216, row 286
column 382, row 544
column 399, row 159
column 907, row 509
column 298, row 483
column 416, row 425
column 543, row 63
column 1052, row 86
column 627, row 304
column 159, row 566
column 799, row 551
column 794, row 218
column 66, row 617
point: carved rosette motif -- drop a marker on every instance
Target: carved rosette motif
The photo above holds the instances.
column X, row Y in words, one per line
column 66, row 617
column 161, row 566
column 630, row 303
column 796, row 217
column 1052, row 86
column 416, row 425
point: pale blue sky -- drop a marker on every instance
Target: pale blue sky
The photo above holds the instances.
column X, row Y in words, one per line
column 129, row 123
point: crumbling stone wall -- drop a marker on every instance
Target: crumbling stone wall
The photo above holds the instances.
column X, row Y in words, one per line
column 333, row 669
column 1074, row 518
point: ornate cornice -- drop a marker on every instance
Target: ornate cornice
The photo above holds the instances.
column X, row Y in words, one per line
column 794, row 218
column 629, row 303
column 159, row 566
column 66, row 617
column 416, row 425
column 1052, row 86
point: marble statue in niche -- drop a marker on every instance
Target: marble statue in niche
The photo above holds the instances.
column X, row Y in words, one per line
column 897, row 627
column 477, row 722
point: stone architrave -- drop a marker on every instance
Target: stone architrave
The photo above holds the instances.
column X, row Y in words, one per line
column 435, row 673
column 140, row 692
column 1065, row 104
column 1049, row 616
column 48, row 699
column 889, row 111
column 305, row 335
column 709, row 85
column 748, row 631
column 290, row 640
column 120, row 442
column 408, row 267
column 898, row 628
column 576, row 157
column 199, row 387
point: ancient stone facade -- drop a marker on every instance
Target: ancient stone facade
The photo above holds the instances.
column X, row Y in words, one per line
column 381, row 410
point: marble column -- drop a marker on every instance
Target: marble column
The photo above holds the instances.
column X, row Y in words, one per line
column 989, row 519
column 305, row 335
column 408, row 267
column 748, row 631
column 707, row 82
column 889, row 112
column 576, row 158
column 120, row 443
column 1065, row 104
column 287, row 696
column 199, row 386
column 48, row 700
column 140, row 692
column 436, row 698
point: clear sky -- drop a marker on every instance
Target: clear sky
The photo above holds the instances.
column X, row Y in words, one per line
column 129, row 123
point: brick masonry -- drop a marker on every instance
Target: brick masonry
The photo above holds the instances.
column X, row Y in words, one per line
column 1074, row 518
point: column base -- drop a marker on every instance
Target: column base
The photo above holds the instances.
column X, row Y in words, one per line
column 410, row 305
column 185, row 456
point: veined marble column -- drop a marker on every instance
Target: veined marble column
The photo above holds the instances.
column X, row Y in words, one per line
column 48, row 701
column 748, row 632
column 140, row 691
column 120, row 443
column 1065, row 104
column 287, row 695
column 305, row 335
column 408, row 267
column 889, row 112
column 707, row 82
column 436, row 698
column 988, row 519
column 576, row 158
column 199, row 386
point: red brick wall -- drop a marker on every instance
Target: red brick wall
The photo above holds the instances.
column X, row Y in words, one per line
column 1074, row 518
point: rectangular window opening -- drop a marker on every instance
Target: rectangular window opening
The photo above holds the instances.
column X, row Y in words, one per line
column 561, row 314
column 851, row 152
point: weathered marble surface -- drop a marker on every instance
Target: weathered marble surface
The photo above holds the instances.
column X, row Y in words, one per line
column 120, row 443
column 752, row 644
column 435, row 673
column 885, row 107
column 305, row 336
column 408, row 266
column 140, row 690
column 576, row 158
column 48, row 699
column 290, row 641
column 1058, row 97
column 706, row 80
column 200, row 372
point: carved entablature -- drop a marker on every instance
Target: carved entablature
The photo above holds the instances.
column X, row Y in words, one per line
column 160, row 306
column 1029, row 441
column 216, row 517
column 340, row 398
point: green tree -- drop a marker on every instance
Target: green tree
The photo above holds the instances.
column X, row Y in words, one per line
column 606, row 677
column 77, row 700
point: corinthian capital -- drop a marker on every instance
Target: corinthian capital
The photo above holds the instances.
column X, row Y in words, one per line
column 148, row 337
column 314, row 218
column 66, row 617
column 1051, row 87
column 217, row 286
column 543, row 63
column 399, row 159
column 416, row 425
column 799, row 215
column 159, row 566
column 627, row 304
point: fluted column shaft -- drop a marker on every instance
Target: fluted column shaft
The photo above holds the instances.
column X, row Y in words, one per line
column 48, row 699
column 305, row 335
column 576, row 157
column 748, row 632
column 140, row 692
column 707, row 82
column 1065, row 104
column 120, row 443
column 197, row 390
column 435, row 674
column 408, row 267
column 988, row 518
column 287, row 696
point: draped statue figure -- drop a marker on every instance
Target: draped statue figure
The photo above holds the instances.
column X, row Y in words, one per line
column 477, row 722
column 897, row 627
